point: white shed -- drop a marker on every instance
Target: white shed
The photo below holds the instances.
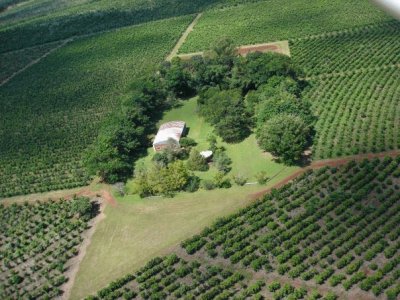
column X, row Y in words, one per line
column 168, row 133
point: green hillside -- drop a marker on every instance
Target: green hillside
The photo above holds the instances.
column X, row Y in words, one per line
column 52, row 111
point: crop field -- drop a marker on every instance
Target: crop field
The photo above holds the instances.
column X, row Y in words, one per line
column 40, row 21
column 52, row 111
column 358, row 113
column 36, row 243
column 332, row 232
column 354, row 49
column 11, row 62
column 257, row 22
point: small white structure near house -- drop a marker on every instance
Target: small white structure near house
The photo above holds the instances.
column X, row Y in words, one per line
column 206, row 154
column 168, row 133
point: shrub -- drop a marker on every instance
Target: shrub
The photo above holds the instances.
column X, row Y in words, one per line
column 262, row 177
column 196, row 162
column 239, row 179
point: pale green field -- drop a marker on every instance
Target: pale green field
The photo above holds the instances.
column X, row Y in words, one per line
column 138, row 229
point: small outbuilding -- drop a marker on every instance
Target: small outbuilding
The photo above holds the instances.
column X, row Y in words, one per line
column 169, row 133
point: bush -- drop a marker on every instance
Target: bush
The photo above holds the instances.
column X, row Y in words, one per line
column 196, row 162
column 262, row 177
column 221, row 181
column 193, row 184
column 208, row 184
column 239, row 179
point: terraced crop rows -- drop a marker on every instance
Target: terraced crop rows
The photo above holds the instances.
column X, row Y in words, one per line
column 52, row 112
column 358, row 113
column 334, row 229
column 354, row 49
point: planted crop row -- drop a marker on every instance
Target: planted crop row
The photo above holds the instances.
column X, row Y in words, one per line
column 332, row 227
column 258, row 22
column 172, row 277
column 357, row 113
column 52, row 112
column 350, row 50
column 36, row 242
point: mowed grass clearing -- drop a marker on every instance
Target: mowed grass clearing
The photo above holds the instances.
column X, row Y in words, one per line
column 247, row 158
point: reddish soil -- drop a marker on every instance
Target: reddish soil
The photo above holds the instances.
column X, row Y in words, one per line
column 261, row 48
column 336, row 162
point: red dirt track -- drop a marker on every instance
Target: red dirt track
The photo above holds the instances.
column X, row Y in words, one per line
column 106, row 195
column 261, row 48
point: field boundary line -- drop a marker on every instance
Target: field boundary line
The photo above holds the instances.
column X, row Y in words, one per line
column 34, row 62
column 183, row 38
column 352, row 72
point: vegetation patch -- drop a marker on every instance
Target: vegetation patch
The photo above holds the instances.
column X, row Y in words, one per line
column 36, row 243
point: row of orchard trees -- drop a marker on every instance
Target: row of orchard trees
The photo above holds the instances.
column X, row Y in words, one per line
column 36, row 242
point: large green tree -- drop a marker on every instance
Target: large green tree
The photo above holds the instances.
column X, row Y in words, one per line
column 285, row 136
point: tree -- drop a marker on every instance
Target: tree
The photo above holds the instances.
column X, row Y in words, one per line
column 159, row 180
column 177, row 79
column 120, row 142
column 234, row 127
column 222, row 161
column 223, row 52
column 285, row 136
column 225, row 110
column 257, row 68
column 283, row 102
column 83, row 207
column 196, row 162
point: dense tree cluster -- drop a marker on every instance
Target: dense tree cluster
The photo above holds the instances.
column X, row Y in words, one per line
column 237, row 94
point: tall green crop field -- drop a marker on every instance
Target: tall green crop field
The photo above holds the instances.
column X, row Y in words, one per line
column 52, row 112
column 276, row 20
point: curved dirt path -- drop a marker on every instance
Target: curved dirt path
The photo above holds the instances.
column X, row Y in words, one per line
column 334, row 162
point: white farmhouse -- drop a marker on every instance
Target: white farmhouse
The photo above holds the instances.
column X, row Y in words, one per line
column 169, row 133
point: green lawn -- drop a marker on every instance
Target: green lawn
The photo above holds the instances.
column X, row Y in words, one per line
column 248, row 159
